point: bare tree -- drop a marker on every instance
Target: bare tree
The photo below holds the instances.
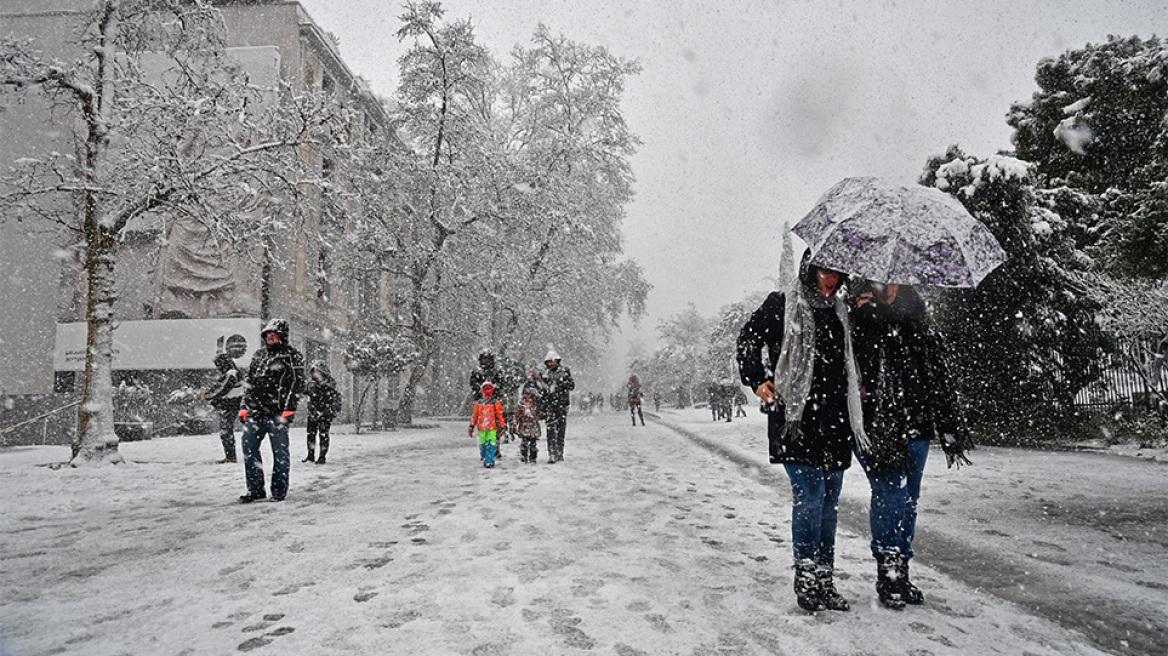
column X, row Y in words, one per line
column 168, row 128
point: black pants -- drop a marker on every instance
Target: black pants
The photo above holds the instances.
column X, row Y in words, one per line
column 635, row 411
column 529, row 448
column 319, row 427
column 557, row 421
column 227, row 431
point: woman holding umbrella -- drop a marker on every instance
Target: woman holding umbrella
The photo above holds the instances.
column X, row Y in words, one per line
column 908, row 401
column 815, row 413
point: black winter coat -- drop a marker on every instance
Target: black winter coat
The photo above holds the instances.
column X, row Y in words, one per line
column 908, row 394
column 275, row 379
column 556, row 384
column 324, row 401
column 825, row 441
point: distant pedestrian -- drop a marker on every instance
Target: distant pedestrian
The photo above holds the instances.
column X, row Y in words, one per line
column 324, row 404
column 634, row 395
column 739, row 401
column 558, row 385
column 656, row 402
column 813, row 399
column 506, row 385
column 487, row 419
column 225, row 397
column 274, row 381
column 527, row 417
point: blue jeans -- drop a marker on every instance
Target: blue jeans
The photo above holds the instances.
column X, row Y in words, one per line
column 893, row 512
column 254, row 431
column 814, row 512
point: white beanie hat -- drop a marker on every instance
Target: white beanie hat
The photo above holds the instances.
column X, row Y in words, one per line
column 551, row 355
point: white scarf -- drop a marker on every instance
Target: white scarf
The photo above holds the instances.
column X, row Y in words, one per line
column 796, row 363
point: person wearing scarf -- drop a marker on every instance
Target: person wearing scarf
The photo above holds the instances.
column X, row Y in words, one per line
column 810, row 387
column 908, row 400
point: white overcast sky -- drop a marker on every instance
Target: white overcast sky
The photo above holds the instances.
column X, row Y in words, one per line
column 749, row 110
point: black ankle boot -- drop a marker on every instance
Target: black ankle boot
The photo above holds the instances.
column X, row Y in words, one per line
column 310, row 458
column 832, row 599
column 888, row 588
column 911, row 593
column 807, row 591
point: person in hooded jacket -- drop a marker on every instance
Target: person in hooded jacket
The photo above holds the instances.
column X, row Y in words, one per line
column 635, row 397
column 225, row 396
column 275, row 380
column 908, row 401
column 324, row 403
column 813, row 403
column 557, row 387
column 506, row 386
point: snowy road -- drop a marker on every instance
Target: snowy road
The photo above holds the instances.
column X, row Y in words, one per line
column 640, row 542
column 1078, row 538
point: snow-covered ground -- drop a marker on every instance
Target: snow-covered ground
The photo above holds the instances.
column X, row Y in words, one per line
column 643, row 541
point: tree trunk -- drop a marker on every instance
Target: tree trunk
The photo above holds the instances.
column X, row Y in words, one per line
column 96, row 440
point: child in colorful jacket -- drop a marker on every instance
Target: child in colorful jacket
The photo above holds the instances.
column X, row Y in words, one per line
column 488, row 419
column 527, row 416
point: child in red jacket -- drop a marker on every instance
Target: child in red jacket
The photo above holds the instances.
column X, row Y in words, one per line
column 488, row 419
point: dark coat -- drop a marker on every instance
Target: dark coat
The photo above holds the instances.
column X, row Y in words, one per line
column 276, row 376
column 324, row 401
column 825, row 440
column 908, row 393
column 556, row 384
column 227, row 391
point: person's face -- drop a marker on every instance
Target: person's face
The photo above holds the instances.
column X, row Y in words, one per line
column 271, row 339
column 827, row 281
column 885, row 294
column 552, row 364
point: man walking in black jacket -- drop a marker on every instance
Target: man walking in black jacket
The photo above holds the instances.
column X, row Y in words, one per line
column 275, row 378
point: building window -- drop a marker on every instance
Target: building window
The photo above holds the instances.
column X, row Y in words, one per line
column 64, row 382
column 323, row 273
column 313, row 351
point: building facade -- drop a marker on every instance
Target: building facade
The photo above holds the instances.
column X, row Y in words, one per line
column 184, row 295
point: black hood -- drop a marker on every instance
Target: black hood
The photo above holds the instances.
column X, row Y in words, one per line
column 278, row 326
column 809, row 282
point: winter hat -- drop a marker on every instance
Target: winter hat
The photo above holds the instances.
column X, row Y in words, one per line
column 552, row 355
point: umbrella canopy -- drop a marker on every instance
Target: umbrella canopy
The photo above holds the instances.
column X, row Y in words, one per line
column 894, row 233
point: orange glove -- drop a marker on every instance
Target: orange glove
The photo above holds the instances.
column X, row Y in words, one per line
column 287, row 415
column 470, row 430
column 243, row 414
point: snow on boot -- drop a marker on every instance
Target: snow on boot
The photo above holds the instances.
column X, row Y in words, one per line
column 911, row 593
column 831, row 598
column 310, row 458
column 888, row 588
column 807, row 590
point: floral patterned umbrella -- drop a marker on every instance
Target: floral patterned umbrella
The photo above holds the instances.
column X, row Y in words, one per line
column 893, row 233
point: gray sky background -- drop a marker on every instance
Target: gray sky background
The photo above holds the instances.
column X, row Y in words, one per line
column 749, row 110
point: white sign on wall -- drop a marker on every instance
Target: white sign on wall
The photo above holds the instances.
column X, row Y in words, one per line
column 161, row 344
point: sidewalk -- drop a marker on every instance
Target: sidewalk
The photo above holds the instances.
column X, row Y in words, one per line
column 639, row 542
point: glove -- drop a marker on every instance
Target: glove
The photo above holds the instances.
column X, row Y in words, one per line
column 243, row 414
column 286, row 416
column 470, row 430
column 954, row 451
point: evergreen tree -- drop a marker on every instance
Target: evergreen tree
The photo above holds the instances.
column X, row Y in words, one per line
column 1025, row 341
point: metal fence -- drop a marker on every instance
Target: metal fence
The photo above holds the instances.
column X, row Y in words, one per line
column 1122, row 385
